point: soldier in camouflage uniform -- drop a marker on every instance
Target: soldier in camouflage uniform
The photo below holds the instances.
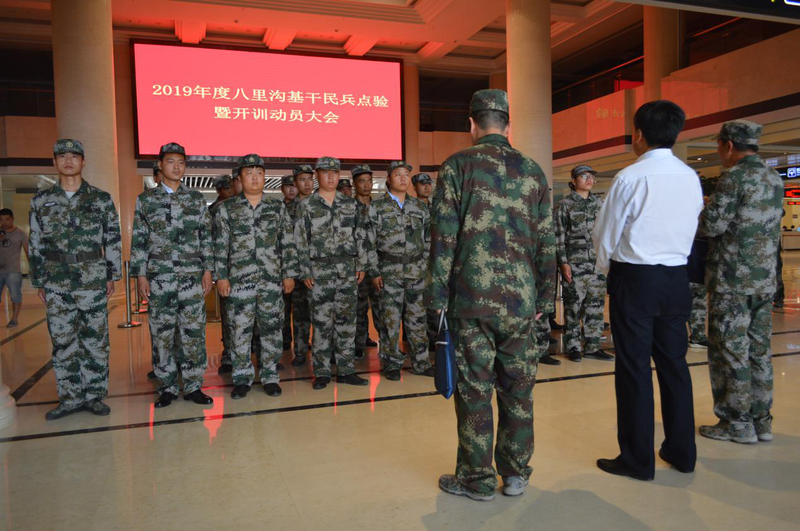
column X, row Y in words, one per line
column 492, row 267
column 362, row 179
column 222, row 184
column 399, row 229
column 423, row 186
column 172, row 256
column 742, row 221
column 584, row 285
column 345, row 187
column 331, row 251
column 255, row 265
column 289, row 191
column 75, row 257
column 301, row 310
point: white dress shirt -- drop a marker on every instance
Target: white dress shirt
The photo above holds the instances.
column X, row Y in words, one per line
column 650, row 213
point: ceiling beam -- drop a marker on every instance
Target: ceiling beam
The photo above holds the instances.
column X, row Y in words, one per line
column 358, row 45
column 279, row 39
column 190, row 31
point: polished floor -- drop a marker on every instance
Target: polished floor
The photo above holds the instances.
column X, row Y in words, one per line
column 365, row 458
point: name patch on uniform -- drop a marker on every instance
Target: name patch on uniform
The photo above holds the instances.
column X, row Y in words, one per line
column 50, row 203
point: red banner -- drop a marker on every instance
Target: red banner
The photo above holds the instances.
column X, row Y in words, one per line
column 219, row 102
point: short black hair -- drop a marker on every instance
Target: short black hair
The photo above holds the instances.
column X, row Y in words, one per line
column 488, row 119
column 738, row 146
column 7, row 212
column 660, row 122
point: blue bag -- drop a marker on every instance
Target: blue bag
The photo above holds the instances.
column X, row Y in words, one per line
column 446, row 374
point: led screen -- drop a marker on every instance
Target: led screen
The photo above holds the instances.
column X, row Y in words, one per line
column 222, row 102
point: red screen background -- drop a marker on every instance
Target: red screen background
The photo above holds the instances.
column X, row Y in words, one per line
column 231, row 102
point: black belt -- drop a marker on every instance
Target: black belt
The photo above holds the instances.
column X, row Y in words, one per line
column 66, row 258
column 397, row 259
column 577, row 246
column 188, row 256
column 332, row 259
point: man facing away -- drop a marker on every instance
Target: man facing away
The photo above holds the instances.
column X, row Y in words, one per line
column 492, row 267
column 643, row 235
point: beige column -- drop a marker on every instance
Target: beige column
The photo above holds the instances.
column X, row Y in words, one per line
column 8, row 406
column 411, row 96
column 497, row 80
column 661, row 48
column 529, row 80
column 83, row 67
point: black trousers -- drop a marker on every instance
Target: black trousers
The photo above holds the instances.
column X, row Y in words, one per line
column 649, row 308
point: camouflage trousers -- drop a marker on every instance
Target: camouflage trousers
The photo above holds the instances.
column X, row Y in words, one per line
column 584, row 301
column 256, row 306
column 697, row 319
column 177, row 305
column 541, row 333
column 333, row 316
column 78, row 325
column 366, row 298
column 739, row 356
column 494, row 354
column 227, row 331
column 400, row 300
column 287, row 319
column 301, row 318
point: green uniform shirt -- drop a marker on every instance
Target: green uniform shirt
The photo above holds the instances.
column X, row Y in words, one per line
column 398, row 232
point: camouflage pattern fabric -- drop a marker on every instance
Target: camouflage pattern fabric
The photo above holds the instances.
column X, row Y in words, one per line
column 77, row 313
column 366, row 294
column 574, row 222
column 489, row 100
column 697, row 319
column 584, row 302
column 254, row 249
column 739, row 357
column 494, row 354
column 68, row 145
column 541, row 335
column 225, row 321
column 286, row 331
column 301, row 311
column 331, row 248
column 172, row 247
column 400, row 233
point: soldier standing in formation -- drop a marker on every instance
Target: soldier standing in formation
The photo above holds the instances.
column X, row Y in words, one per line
column 742, row 221
column 584, row 285
column 330, row 235
column 301, row 311
column 345, row 187
column 75, row 257
column 399, row 228
column 224, row 188
column 289, row 191
column 423, row 186
column 255, row 265
column 362, row 179
column 492, row 268
column 171, row 254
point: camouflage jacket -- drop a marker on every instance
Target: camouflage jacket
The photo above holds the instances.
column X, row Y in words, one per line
column 86, row 222
column 574, row 219
column 253, row 244
column 493, row 247
column 395, row 232
column 291, row 207
column 742, row 221
column 171, row 233
column 330, row 239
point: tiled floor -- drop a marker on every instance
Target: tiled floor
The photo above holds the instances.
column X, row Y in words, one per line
column 365, row 458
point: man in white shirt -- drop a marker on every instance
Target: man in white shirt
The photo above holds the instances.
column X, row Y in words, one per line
column 643, row 236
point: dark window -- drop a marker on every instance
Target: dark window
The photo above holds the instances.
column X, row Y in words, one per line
column 444, row 101
column 26, row 83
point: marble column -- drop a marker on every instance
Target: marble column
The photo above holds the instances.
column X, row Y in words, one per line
column 411, row 96
column 661, row 48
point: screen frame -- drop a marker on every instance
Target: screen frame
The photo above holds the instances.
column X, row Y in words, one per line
column 270, row 160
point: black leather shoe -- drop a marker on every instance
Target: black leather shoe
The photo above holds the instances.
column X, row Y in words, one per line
column 599, row 355
column 298, row 361
column 393, row 376
column 574, row 355
column 321, row 383
column 666, row 459
column 272, row 389
column 61, row 411
column 198, row 398
column 225, row 369
column 152, row 375
column 164, row 400
column 240, row 391
column 370, row 343
column 352, row 379
column 359, row 353
column 430, row 371
column 612, row 466
column 549, row 360
column 279, row 366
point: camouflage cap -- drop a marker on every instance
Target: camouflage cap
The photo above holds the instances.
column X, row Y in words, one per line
column 156, row 169
column 489, row 100
column 172, row 147
column 421, row 178
column 741, row 132
column 344, row 183
column 287, row 180
column 328, row 163
column 251, row 160
column 222, row 181
column 67, row 145
column 303, row 168
column 580, row 170
column 235, row 173
column 398, row 164
column 361, row 169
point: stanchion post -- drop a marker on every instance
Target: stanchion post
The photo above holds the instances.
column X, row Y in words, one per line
column 129, row 323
